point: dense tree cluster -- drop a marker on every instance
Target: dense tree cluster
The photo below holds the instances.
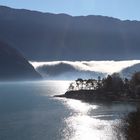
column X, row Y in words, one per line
column 132, row 128
column 112, row 84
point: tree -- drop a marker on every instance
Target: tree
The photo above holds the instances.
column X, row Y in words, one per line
column 89, row 84
column 135, row 84
column 107, row 83
column 71, row 87
column 136, row 79
column 132, row 129
column 79, row 83
column 118, row 83
column 99, row 83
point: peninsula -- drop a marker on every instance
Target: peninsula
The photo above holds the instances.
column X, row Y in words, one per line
column 111, row 88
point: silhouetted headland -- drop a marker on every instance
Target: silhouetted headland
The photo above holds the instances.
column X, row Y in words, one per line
column 14, row 66
column 111, row 88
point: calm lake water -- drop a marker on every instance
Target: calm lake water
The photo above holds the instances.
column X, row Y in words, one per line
column 28, row 111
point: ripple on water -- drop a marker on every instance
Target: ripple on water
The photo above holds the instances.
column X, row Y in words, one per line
column 89, row 121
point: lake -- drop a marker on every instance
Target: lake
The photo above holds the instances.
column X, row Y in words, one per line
column 28, row 111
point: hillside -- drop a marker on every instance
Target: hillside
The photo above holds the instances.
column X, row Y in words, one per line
column 13, row 66
column 129, row 71
column 46, row 37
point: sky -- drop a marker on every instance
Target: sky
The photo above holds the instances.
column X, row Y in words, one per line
column 122, row 9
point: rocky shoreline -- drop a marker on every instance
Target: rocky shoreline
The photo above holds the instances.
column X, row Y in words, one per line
column 95, row 96
column 111, row 88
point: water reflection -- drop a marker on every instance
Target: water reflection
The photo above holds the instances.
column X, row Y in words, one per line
column 50, row 88
column 28, row 111
column 80, row 107
column 87, row 123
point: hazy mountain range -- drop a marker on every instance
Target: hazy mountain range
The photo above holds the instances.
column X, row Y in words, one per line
column 45, row 36
column 38, row 36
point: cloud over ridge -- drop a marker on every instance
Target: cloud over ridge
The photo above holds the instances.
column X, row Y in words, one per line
column 83, row 69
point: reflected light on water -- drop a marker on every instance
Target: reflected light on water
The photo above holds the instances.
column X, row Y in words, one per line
column 85, row 126
column 85, row 121
column 80, row 107
column 52, row 87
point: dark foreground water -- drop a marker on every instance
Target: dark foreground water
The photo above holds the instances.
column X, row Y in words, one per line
column 29, row 112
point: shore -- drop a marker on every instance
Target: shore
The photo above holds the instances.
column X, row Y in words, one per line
column 95, row 96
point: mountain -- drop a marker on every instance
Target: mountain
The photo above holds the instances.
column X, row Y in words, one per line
column 45, row 36
column 13, row 66
column 65, row 70
column 129, row 71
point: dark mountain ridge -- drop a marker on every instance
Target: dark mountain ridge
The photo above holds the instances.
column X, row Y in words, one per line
column 13, row 66
column 45, row 36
